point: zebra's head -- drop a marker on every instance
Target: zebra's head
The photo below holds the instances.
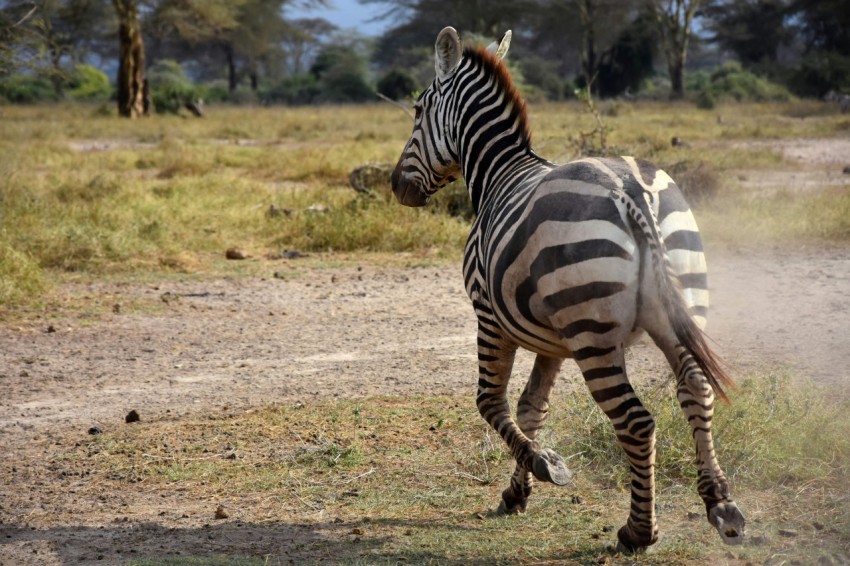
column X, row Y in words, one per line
column 429, row 160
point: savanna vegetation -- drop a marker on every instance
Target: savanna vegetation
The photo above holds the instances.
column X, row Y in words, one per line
column 160, row 55
column 84, row 196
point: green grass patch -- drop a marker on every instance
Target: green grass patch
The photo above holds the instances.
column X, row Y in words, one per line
column 412, row 479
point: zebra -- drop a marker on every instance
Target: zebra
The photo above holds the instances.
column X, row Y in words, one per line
column 570, row 261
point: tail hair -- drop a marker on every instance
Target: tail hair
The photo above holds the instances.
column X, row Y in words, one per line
column 689, row 334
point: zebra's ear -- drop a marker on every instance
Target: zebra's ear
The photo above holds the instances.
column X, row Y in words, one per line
column 501, row 49
column 447, row 52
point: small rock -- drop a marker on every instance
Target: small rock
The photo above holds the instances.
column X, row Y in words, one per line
column 275, row 210
column 221, row 513
column 51, row 329
column 95, row 430
column 357, row 531
column 24, row 373
column 235, row 253
column 317, row 208
column 132, row 417
column 607, row 528
column 577, row 499
column 290, row 254
column 116, row 308
column 790, row 533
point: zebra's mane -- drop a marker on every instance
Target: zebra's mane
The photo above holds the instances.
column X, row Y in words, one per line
column 499, row 71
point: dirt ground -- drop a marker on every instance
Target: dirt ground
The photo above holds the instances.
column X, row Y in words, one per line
column 180, row 347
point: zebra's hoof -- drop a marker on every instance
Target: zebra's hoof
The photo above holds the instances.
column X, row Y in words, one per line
column 511, row 509
column 549, row 466
column 729, row 522
column 632, row 543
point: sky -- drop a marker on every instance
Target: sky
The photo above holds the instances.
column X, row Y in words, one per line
column 347, row 14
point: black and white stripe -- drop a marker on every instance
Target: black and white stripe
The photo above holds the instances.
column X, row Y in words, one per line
column 571, row 261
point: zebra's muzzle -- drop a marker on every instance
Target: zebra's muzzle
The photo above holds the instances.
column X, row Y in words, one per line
column 407, row 191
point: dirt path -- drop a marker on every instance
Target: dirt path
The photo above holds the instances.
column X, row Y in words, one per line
column 359, row 332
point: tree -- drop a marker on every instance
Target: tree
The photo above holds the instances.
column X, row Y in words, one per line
column 51, row 36
column 422, row 19
column 303, row 36
column 753, row 30
column 673, row 20
column 186, row 26
column 131, row 61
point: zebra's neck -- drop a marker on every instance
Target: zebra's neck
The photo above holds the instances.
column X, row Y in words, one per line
column 493, row 140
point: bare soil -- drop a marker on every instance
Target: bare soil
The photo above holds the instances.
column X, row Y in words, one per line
column 180, row 347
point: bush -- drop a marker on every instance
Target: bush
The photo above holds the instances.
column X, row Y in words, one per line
column 26, row 89
column 170, row 88
column 543, row 75
column 341, row 75
column 298, row 89
column 397, row 84
column 732, row 82
column 343, row 84
column 88, row 83
column 820, row 73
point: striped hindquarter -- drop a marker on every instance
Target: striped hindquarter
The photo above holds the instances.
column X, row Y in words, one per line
column 571, row 261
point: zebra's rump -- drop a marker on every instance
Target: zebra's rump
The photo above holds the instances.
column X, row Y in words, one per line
column 569, row 253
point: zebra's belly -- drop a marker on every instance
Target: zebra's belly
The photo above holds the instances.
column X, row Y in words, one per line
column 549, row 342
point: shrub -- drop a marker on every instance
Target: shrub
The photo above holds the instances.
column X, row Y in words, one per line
column 298, row 89
column 821, row 72
column 543, row 74
column 89, row 83
column 169, row 86
column 26, row 89
column 397, row 84
column 732, row 82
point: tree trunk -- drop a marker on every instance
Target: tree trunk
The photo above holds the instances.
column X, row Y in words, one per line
column 674, row 18
column 587, row 13
column 232, row 81
column 131, row 61
column 676, row 69
column 57, row 76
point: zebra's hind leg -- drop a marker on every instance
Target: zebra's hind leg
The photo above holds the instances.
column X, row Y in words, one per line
column 696, row 398
column 604, row 371
column 495, row 361
column 532, row 410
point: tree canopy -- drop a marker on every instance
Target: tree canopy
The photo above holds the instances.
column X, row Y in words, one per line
column 251, row 50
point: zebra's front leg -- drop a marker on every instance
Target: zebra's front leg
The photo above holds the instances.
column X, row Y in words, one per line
column 495, row 361
column 532, row 410
column 696, row 398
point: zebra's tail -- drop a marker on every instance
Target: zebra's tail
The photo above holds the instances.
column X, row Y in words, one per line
column 689, row 334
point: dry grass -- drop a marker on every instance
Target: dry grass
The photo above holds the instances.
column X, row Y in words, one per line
column 84, row 193
column 413, row 479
